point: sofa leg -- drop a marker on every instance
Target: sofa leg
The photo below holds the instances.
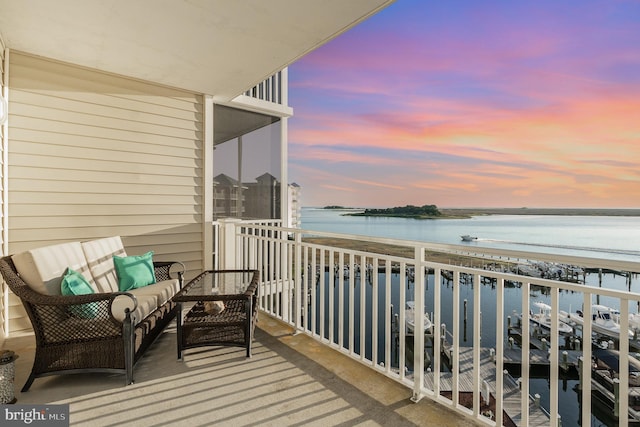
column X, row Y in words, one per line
column 28, row 383
column 128, row 336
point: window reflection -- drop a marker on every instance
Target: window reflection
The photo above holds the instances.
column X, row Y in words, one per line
column 247, row 165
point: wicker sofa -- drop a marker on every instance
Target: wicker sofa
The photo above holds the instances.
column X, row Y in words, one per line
column 120, row 325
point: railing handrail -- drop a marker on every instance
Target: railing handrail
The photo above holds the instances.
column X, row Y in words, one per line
column 478, row 252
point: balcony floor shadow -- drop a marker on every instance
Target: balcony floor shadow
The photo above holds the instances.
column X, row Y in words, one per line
column 291, row 380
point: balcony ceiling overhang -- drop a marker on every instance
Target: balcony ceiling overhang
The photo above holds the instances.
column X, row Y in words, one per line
column 215, row 47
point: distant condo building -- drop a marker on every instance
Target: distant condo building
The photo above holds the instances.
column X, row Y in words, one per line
column 295, row 205
column 260, row 199
column 228, row 197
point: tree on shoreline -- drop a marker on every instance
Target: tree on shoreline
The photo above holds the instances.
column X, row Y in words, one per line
column 409, row 210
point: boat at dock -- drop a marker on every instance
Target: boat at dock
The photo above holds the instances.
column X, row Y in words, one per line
column 605, row 371
column 602, row 320
column 542, row 318
column 410, row 319
column 634, row 321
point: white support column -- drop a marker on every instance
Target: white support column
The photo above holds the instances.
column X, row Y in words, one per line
column 284, row 153
column 284, row 167
column 4, row 290
column 227, row 255
column 5, row 155
column 207, row 185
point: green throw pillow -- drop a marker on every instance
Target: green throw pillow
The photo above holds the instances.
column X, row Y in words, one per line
column 134, row 271
column 74, row 283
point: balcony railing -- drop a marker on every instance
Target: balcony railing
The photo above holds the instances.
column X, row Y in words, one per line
column 350, row 293
column 269, row 90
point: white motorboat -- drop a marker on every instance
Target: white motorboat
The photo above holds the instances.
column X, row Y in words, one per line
column 603, row 320
column 543, row 319
column 468, row 238
column 634, row 321
column 410, row 316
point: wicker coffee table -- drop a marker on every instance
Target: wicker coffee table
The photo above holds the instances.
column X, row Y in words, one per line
column 218, row 307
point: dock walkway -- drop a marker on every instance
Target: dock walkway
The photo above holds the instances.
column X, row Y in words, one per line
column 512, row 394
column 537, row 358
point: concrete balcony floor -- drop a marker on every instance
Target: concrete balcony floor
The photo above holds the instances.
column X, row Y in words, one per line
column 290, row 380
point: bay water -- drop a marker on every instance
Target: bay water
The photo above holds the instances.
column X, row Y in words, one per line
column 603, row 237
column 609, row 237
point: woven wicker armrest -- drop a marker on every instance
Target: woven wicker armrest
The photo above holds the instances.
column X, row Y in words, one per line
column 62, row 319
column 163, row 270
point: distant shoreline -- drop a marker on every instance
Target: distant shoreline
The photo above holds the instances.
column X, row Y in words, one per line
column 457, row 213
column 541, row 211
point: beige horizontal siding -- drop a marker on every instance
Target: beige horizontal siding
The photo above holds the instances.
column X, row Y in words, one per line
column 94, row 155
column 4, row 309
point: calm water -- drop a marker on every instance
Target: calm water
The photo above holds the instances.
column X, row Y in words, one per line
column 601, row 237
column 597, row 236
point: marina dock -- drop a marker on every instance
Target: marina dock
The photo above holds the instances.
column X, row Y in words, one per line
column 540, row 358
column 602, row 384
column 512, row 393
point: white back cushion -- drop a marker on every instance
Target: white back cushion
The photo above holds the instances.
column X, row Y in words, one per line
column 42, row 268
column 99, row 254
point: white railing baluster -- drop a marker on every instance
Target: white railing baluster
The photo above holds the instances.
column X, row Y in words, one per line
column 363, row 308
column 270, row 271
column 500, row 339
column 586, row 360
column 477, row 324
column 277, row 249
column 321, row 287
column 437, row 338
column 623, row 372
column 332, row 285
column 314, row 279
column 418, row 328
column 455, row 353
column 402, row 329
column 285, row 262
column 299, row 275
column 341, row 305
column 526, row 345
column 387, row 315
column 554, row 355
column 305, row 290
column 352, row 304
column 269, row 90
column 375, row 330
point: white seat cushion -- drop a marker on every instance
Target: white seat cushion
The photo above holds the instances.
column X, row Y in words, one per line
column 43, row 268
column 162, row 291
column 149, row 298
column 99, row 254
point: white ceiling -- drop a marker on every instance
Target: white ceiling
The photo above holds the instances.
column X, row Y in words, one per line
column 216, row 47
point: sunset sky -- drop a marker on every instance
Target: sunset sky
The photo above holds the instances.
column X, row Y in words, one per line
column 466, row 103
